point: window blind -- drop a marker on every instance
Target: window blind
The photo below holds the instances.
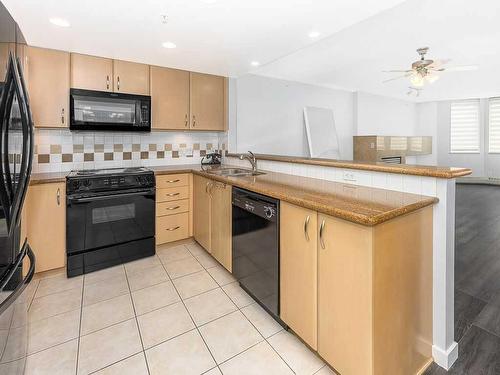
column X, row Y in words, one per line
column 494, row 125
column 464, row 126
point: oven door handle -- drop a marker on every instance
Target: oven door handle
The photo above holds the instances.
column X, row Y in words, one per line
column 105, row 197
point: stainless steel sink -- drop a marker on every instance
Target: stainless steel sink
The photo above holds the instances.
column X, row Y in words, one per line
column 235, row 172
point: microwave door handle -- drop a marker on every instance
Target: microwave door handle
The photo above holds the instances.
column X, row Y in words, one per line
column 105, row 197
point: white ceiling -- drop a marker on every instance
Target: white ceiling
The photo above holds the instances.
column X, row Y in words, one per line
column 220, row 37
column 466, row 31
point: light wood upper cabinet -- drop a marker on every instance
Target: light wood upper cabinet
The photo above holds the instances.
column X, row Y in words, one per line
column 220, row 224
column 48, row 78
column 169, row 98
column 130, row 77
column 91, row 72
column 207, row 102
column 47, row 238
column 201, row 211
column 298, row 271
column 344, row 295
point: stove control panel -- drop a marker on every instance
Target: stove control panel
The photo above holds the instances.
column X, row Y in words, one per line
column 109, row 183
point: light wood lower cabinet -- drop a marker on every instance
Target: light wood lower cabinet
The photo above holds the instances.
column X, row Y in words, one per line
column 373, row 288
column 173, row 207
column 299, row 271
column 201, row 211
column 212, row 218
column 47, row 75
column 45, row 219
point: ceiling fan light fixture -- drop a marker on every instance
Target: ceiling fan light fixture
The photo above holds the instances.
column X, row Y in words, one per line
column 431, row 78
column 417, row 80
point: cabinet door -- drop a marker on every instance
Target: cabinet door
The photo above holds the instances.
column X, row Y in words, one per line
column 131, row 78
column 48, row 86
column 4, row 59
column 47, row 238
column 169, row 98
column 220, row 223
column 299, row 271
column 91, row 72
column 207, row 102
column 345, row 295
column 201, row 211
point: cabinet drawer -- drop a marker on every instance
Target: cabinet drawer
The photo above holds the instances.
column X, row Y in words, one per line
column 172, row 194
column 172, row 180
column 172, row 208
column 172, row 228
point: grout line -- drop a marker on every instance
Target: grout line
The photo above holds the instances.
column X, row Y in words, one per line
column 114, row 363
column 79, row 329
column 136, row 320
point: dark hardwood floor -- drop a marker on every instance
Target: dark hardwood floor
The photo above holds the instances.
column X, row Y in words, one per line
column 477, row 281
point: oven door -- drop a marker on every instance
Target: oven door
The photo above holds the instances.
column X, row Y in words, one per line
column 106, row 220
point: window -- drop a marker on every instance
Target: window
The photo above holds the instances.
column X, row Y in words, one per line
column 464, row 126
column 494, row 126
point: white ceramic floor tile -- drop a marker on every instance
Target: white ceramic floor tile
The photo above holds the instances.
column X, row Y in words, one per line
column 43, row 334
column 183, row 267
column 135, row 365
column 326, row 371
column 195, row 249
column 154, row 297
column 104, row 347
column 183, row 355
column 238, row 295
column 105, row 289
column 206, row 260
column 147, row 277
column 295, row 353
column 103, row 314
column 163, row 324
column 196, row 283
column 142, row 264
column 6, row 318
column 214, row 371
column 259, row 359
column 264, row 323
column 17, row 344
column 58, row 283
column 221, row 275
column 104, row 274
column 58, row 360
column 209, row 306
column 53, row 304
column 173, row 254
column 28, row 294
column 20, row 315
column 15, row 367
column 229, row 335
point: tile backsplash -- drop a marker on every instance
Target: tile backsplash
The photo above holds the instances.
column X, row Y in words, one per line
column 63, row 150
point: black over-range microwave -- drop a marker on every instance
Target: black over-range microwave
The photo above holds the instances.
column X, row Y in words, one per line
column 100, row 110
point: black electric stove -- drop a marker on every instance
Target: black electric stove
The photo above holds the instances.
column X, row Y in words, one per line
column 110, row 218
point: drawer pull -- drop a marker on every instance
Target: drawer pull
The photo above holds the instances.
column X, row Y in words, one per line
column 173, row 208
column 172, row 194
column 321, row 228
column 306, row 225
column 173, row 228
column 172, row 181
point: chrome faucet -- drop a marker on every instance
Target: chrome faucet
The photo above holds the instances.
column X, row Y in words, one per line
column 251, row 158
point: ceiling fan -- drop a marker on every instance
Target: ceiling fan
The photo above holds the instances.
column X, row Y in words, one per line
column 426, row 70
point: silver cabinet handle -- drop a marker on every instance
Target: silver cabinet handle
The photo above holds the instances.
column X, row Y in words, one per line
column 172, row 194
column 107, row 82
column 306, row 225
column 118, row 82
column 173, row 208
column 62, row 116
column 186, row 121
column 206, row 187
column 173, row 228
column 194, row 121
column 58, row 196
column 321, row 228
column 172, row 181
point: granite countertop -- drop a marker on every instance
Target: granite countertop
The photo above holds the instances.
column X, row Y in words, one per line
column 416, row 170
column 358, row 204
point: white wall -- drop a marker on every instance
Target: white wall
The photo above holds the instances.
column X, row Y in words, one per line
column 380, row 115
column 270, row 115
column 426, row 124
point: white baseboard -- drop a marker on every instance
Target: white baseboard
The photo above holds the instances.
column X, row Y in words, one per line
column 445, row 359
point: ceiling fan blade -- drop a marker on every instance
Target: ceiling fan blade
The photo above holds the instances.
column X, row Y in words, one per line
column 397, row 71
column 439, row 63
column 395, row 78
column 461, row 68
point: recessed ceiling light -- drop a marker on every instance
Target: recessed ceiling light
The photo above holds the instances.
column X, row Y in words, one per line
column 314, row 34
column 59, row 22
column 168, row 45
column 255, row 63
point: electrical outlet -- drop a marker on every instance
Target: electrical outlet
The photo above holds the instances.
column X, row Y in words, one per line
column 349, row 176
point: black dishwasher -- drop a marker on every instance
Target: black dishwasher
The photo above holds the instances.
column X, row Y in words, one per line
column 256, row 247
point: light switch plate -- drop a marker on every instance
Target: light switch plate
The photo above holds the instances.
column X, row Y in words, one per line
column 349, row 176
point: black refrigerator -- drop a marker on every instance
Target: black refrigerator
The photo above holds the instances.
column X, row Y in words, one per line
column 17, row 261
